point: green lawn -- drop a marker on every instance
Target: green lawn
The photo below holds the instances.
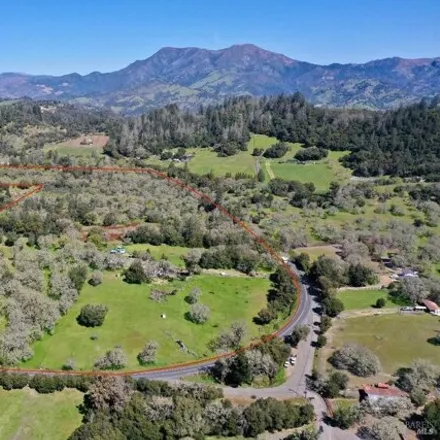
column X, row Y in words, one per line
column 396, row 339
column 27, row 415
column 364, row 299
column 82, row 151
column 133, row 319
column 206, row 160
column 173, row 253
column 321, row 173
column 315, row 252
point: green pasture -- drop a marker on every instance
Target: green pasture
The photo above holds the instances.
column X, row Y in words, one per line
column 134, row 318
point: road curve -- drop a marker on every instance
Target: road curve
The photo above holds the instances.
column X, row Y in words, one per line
column 299, row 315
column 302, row 316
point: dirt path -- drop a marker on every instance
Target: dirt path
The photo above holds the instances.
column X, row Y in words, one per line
column 269, row 170
column 367, row 312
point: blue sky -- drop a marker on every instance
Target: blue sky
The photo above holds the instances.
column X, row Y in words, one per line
column 63, row 36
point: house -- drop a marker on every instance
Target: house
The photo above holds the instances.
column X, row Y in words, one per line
column 380, row 391
column 409, row 273
column 87, row 141
column 433, row 308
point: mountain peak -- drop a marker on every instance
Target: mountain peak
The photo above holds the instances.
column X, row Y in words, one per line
column 191, row 76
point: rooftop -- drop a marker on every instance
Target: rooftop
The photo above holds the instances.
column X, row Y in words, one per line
column 431, row 305
column 383, row 392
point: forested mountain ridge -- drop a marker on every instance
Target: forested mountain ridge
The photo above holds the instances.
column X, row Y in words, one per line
column 192, row 76
column 403, row 142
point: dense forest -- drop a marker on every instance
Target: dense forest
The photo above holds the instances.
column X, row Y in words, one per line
column 402, row 142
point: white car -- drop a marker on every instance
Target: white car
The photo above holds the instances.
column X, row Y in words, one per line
column 286, row 364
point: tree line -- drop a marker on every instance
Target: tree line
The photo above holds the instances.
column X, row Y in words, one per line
column 402, row 142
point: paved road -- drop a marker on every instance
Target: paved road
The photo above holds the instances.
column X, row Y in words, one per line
column 302, row 317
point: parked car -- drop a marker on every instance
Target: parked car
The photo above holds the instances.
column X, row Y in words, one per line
column 286, row 364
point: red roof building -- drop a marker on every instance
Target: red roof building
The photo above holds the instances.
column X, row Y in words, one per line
column 432, row 307
column 372, row 392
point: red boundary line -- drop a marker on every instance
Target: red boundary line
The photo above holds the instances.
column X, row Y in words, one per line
column 14, row 202
column 199, row 195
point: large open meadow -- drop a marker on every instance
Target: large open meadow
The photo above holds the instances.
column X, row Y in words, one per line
column 321, row 172
column 134, row 318
column 357, row 299
column 397, row 339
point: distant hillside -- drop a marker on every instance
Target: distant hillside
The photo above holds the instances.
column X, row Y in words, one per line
column 32, row 124
column 192, row 76
column 403, row 142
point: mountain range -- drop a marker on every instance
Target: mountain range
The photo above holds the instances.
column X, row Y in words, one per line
column 193, row 76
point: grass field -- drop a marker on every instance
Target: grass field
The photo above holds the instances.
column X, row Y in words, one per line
column 73, row 147
column 206, row 160
column 364, row 298
column 321, row 173
column 133, row 319
column 396, row 339
column 83, row 151
column 315, row 252
column 27, row 415
column 173, row 253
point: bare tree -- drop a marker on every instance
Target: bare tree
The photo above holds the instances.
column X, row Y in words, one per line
column 387, row 428
column 108, row 393
column 112, row 360
column 412, row 289
column 356, row 359
column 194, row 295
column 148, row 354
column 199, row 313
column 421, row 375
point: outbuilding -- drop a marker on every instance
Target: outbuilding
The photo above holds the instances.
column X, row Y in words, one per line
column 433, row 308
column 380, row 391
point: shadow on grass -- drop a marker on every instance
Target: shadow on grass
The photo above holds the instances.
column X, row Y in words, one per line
column 435, row 340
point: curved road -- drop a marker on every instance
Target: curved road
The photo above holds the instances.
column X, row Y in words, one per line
column 302, row 316
column 295, row 384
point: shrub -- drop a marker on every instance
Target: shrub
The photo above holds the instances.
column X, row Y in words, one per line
column 380, row 303
column 298, row 334
column 311, row 153
column 92, row 315
column 69, row 364
column 11, row 381
column 333, row 306
column 321, row 341
column 78, row 276
column 334, row 385
column 276, row 151
column 113, row 360
column 325, row 324
column 199, row 313
column 356, row 359
column 148, row 354
column 418, row 398
column 303, row 262
column 46, row 384
column 135, row 274
column 95, row 279
column 345, row 416
column 360, row 275
column 194, row 295
column 265, row 316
